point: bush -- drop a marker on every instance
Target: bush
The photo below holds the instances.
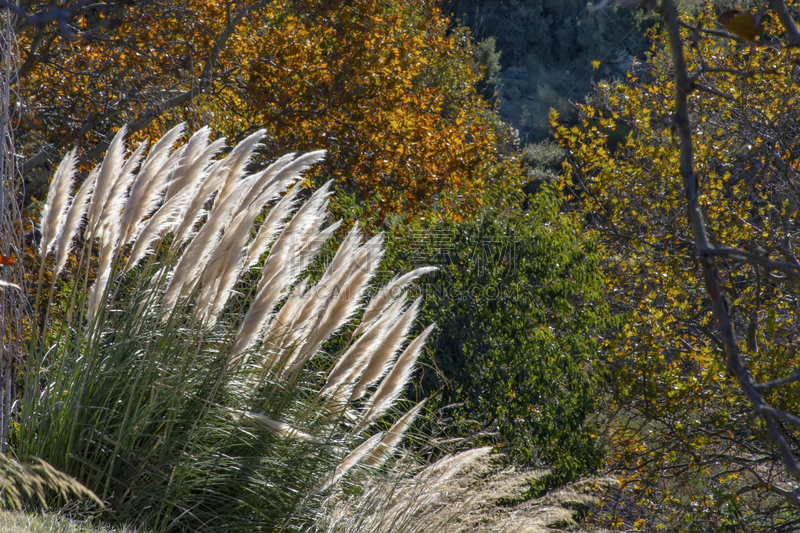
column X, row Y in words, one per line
column 516, row 300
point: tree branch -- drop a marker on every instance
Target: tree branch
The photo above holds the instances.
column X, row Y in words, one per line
column 779, row 7
column 778, row 382
column 756, row 259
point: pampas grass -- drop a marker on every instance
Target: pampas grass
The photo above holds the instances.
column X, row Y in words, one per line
column 173, row 375
column 78, row 209
column 57, row 203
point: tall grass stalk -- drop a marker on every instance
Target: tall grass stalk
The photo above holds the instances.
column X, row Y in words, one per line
column 183, row 359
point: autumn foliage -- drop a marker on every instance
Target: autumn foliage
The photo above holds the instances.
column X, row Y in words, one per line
column 386, row 87
column 691, row 452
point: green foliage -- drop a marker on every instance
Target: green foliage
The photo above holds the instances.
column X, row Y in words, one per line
column 488, row 59
column 515, row 301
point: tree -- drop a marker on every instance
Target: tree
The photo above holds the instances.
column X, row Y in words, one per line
column 704, row 267
column 386, row 87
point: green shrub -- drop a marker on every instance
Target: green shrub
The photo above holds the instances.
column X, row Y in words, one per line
column 516, row 298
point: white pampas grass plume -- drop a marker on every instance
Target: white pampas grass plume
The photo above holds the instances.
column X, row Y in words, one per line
column 353, row 361
column 316, row 299
column 445, row 468
column 277, row 428
column 348, row 299
column 271, row 226
column 350, row 461
column 103, row 271
column 196, row 256
column 227, row 261
column 283, row 171
column 236, row 162
column 80, row 204
column 57, row 203
column 307, row 218
column 284, row 322
column 112, row 211
column 386, row 446
column 278, row 272
column 382, row 358
column 391, row 387
column 149, row 184
column 387, row 294
column 191, row 163
column 268, row 178
column 163, row 221
column 212, row 179
column 107, row 176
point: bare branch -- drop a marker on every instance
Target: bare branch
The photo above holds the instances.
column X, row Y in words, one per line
column 753, row 258
column 713, row 91
column 778, row 382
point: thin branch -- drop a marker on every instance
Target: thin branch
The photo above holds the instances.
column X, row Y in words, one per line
column 713, row 91
column 778, row 382
column 795, row 421
column 753, row 258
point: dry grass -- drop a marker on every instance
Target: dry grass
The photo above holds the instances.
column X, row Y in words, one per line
column 466, row 493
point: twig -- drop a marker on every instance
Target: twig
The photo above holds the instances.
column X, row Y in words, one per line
column 753, row 258
column 778, row 382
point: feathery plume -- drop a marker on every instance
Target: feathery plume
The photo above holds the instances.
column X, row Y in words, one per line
column 236, row 162
column 277, row 428
column 80, row 204
column 194, row 160
column 277, row 274
column 382, row 358
column 391, row 387
column 227, row 261
column 284, row 171
column 212, row 179
column 271, row 226
column 348, row 299
column 386, row 447
column 112, row 211
column 149, row 184
column 163, row 221
column 57, row 202
column 103, row 271
column 196, row 256
column 107, row 176
column 268, row 178
column 350, row 461
column 350, row 365
column 387, row 294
